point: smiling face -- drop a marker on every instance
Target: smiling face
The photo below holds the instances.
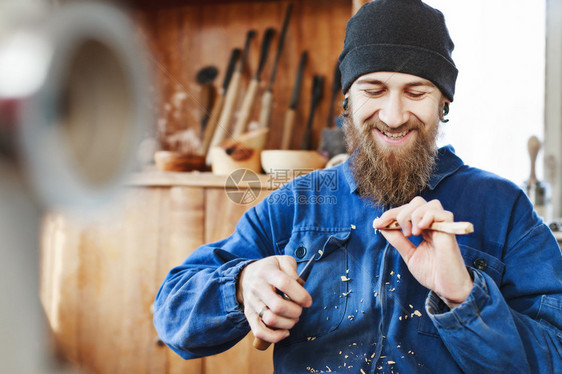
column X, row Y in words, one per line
column 401, row 107
column 392, row 124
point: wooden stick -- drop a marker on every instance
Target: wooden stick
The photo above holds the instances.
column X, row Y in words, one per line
column 458, row 228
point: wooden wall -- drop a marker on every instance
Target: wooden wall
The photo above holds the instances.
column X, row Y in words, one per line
column 184, row 39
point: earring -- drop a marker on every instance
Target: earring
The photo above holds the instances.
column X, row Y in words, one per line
column 345, row 103
column 445, row 112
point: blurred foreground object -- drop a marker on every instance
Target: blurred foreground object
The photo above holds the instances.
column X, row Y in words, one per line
column 537, row 191
column 72, row 112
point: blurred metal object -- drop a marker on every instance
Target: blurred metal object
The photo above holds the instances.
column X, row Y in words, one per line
column 76, row 88
column 73, row 107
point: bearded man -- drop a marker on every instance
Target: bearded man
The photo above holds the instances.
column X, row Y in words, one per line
column 409, row 300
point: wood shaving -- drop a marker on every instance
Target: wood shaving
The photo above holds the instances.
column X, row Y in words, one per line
column 391, row 362
column 321, row 252
column 353, row 226
column 417, row 313
column 344, row 278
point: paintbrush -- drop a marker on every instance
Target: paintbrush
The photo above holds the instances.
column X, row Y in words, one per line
column 262, row 345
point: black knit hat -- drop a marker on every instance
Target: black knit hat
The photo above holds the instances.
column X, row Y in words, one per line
column 405, row 36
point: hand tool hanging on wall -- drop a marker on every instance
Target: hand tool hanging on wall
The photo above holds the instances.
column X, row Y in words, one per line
column 267, row 99
column 332, row 140
column 219, row 101
column 244, row 114
column 230, row 99
column 291, row 112
column 317, row 88
column 205, row 77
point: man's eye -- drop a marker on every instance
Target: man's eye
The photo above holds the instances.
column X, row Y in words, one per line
column 374, row 92
column 415, row 95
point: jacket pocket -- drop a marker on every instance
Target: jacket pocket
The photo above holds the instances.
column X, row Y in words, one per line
column 324, row 283
column 476, row 259
column 550, row 314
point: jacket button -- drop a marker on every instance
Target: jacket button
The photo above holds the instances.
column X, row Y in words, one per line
column 300, row 252
column 480, row 264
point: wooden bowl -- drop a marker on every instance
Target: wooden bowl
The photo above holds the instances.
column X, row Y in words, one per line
column 241, row 153
column 174, row 161
column 275, row 161
column 226, row 161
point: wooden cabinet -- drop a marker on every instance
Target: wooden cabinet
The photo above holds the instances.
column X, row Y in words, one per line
column 99, row 280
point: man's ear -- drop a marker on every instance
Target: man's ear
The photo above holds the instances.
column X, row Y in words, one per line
column 444, row 110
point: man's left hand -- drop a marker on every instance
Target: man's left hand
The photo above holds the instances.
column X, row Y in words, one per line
column 436, row 262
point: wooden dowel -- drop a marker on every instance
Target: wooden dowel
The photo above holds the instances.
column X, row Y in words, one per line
column 458, row 228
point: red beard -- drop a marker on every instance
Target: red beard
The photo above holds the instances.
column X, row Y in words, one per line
column 389, row 177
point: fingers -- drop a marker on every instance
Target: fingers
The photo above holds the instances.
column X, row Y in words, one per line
column 262, row 330
column 414, row 217
column 295, row 291
column 260, row 284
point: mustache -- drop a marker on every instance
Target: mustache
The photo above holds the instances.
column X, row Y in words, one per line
column 413, row 123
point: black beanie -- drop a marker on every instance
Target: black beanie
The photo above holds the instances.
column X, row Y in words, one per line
column 405, row 36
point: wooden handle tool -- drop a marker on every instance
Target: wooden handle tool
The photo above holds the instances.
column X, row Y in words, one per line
column 262, row 345
column 317, row 88
column 267, row 99
column 221, row 128
column 219, row 101
column 249, row 98
column 290, row 114
column 458, row 228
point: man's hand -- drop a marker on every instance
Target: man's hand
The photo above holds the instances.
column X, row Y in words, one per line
column 437, row 262
column 257, row 291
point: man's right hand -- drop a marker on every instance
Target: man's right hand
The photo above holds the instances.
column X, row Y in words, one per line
column 257, row 292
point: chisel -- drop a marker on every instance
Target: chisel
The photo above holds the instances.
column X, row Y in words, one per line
column 317, row 88
column 291, row 112
column 262, row 345
column 219, row 101
column 246, row 109
column 221, row 128
column 458, row 228
column 267, row 99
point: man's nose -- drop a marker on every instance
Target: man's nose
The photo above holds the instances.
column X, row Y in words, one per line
column 393, row 112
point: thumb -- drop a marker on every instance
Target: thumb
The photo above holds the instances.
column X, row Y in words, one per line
column 402, row 244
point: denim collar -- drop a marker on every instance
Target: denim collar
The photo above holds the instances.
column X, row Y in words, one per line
column 447, row 163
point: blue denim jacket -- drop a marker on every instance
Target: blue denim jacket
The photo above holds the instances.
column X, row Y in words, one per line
column 369, row 314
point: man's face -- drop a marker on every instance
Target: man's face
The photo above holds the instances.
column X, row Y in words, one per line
column 393, row 122
column 396, row 100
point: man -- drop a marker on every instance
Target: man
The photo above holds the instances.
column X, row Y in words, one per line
column 414, row 300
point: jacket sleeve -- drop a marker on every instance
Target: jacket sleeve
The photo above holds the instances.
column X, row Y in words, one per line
column 196, row 312
column 515, row 327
